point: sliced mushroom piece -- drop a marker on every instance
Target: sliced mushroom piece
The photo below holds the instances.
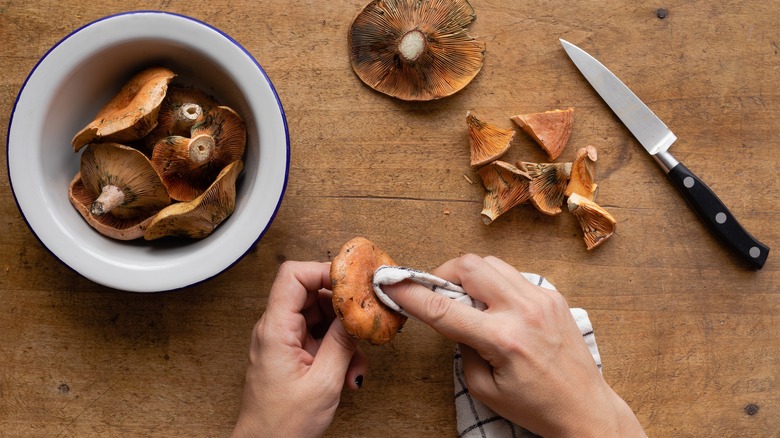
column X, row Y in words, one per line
column 188, row 166
column 583, row 174
column 487, row 142
column 506, row 187
column 106, row 224
column 131, row 113
column 415, row 50
column 597, row 224
column 548, row 184
column 198, row 218
column 550, row 129
column 182, row 108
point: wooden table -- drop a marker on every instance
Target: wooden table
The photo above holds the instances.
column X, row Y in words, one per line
column 688, row 335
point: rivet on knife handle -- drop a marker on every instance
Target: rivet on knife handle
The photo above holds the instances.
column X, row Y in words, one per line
column 715, row 214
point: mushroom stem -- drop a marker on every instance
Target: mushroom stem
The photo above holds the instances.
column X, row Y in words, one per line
column 412, row 45
column 110, row 197
column 187, row 115
column 201, row 148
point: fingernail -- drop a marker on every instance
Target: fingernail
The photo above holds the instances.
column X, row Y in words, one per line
column 359, row 381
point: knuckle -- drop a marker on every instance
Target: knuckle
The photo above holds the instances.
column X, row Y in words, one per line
column 470, row 262
column 436, row 307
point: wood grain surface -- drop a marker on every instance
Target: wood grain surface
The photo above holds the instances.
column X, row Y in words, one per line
column 689, row 336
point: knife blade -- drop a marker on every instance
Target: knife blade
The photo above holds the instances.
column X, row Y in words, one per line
column 656, row 138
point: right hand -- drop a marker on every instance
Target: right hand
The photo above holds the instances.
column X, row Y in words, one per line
column 524, row 356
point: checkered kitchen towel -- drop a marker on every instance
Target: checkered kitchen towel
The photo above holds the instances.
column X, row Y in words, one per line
column 473, row 418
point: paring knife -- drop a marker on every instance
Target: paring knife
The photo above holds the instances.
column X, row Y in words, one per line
column 656, row 138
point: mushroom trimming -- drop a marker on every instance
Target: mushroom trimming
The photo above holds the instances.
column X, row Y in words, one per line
column 415, row 49
column 550, row 129
column 506, row 187
column 548, row 184
column 487, row 142
column 597, row 224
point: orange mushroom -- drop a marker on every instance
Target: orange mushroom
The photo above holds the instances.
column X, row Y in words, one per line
column 415, row 49
column 187, row 166
column 506, row 185
column 597, row 224
column 583, row 174
column 550, row 129
column 548, row 184
column 131, row 113
column 487, row 142
column 181, row 109
column 198, row 218
column 116, row 190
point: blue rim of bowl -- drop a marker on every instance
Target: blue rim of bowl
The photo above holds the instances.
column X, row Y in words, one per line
column 195, row 20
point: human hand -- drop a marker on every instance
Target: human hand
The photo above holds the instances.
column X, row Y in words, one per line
column 524, row 356
column 295, row 377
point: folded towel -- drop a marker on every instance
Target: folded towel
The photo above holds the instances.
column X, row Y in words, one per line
column 473, row 418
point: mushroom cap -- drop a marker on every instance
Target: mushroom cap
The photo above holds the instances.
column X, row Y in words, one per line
column 362, row 314
column 188, row 166
column 583, row 174
column 550, row 129
column 127, row 169
column 415, row 50
column 548, row 185
column 597, row 224
column 487, row 142
column 181, row 109
column 131, row 113
column 106, row 224
column 506, row 187
column 197, row 219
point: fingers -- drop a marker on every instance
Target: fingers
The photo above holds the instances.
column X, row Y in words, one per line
column 293, row 284
column 357, row 370
column 478, row 374
column 334, row 355
column 454, row 320
column 486, row 279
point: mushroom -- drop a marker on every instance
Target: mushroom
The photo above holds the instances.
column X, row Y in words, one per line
column 548, row 184
column 506, row 185
column 117, row 189
column 181, row 109
column 597, row 224
column 131, row 113
column 187, row 166
column 415, row 49
column 550, row 129
column 198, row 218
column 362, row 314
column 487, row 142
column 583, row 174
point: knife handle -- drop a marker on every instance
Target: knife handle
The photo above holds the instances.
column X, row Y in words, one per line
column 717, row 216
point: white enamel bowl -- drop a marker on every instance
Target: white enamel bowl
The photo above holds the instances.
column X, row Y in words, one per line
column 78, row 76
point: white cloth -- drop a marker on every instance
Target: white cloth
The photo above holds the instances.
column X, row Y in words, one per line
column 473, row 418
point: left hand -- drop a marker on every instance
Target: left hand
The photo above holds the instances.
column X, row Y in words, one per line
column 294, row 378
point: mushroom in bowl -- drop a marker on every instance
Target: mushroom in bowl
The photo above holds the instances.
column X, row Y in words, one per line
column 79, row 76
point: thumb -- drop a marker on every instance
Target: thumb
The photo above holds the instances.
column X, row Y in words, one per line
column 335, row 354
column 457, row 321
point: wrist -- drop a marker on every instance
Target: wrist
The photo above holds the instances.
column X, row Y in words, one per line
column 610, row 418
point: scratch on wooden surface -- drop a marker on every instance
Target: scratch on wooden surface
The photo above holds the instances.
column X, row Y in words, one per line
column 85, row 409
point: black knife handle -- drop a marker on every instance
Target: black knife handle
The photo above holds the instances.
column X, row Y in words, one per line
column 717, row 216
